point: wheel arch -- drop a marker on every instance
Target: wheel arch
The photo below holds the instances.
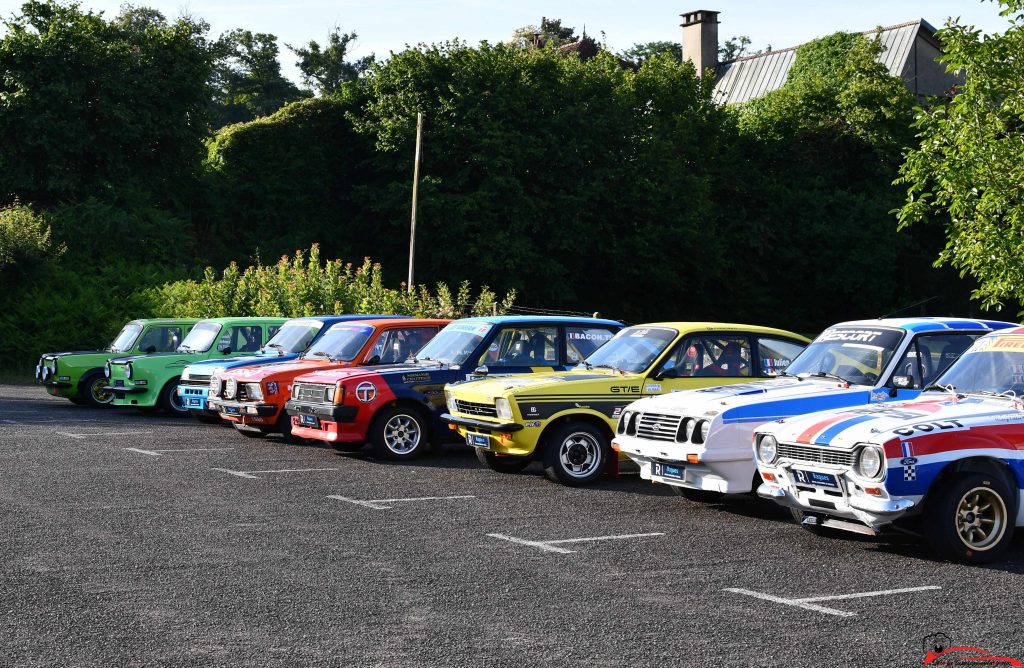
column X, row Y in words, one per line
column 984, row 465
column 409, row 403
column 587, row 417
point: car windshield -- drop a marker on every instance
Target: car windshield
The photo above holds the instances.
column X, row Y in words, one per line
column 200, row 338
column 341, row 342
column 126, row 338
column 294, row 336
column 993, row 365
column 855, row 354
column 456, row 342
column 633, row 349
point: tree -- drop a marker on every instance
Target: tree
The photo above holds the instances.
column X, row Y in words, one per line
column 968, row 169
column 638, row 53
column 551, row 34
column 247, row 80
column 326, row 69
column 96, row 107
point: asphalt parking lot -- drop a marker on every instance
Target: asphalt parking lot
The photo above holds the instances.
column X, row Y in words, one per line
column 134, row 539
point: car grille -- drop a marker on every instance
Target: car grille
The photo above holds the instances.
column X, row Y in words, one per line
column 815, row 455
column 312, row 393
column 471, row 408
column 658, row 427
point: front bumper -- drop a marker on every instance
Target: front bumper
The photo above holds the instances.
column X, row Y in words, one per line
column 57, row 384
column 505, row 438
column 194, row 397
column 855, row 505
column 229, row 409
column 724, row 470
column 120, row 391
column 325, row 422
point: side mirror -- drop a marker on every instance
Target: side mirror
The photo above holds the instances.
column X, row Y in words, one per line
column 373, row 360
column 149, row 350
column 667, row 373
column 903, row 382
column 480, row 371
column 226, row 350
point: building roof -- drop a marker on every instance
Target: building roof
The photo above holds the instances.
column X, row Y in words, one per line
column 751, row 77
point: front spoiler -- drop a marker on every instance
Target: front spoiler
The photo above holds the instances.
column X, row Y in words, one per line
column 120, row 391
column 263, row 410
column 480, row 425
column 326, row 412
column 871, row 511
column 59, row 384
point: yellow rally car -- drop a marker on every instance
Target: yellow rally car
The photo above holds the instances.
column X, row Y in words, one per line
column 567, row 419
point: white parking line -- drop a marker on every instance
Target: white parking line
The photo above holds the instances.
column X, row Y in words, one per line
column 79, row 435
column 550, row 545
column 249, row 474
column 809, row 603
column 157, row 453
column 377, row 504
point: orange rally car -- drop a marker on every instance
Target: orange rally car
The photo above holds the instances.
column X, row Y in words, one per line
column 253, row 398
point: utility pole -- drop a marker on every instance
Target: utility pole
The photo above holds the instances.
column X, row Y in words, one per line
column 415, row 187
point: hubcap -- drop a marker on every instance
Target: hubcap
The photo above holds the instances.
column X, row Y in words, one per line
column 980, row 518
column 177, row 403
column 580, row 454
column 401, row 434
column 99, row 395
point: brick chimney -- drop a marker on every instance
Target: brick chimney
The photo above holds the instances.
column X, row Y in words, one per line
column 700, row 39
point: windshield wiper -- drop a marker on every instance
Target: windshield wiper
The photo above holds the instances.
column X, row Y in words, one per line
column 605, row 366
column 826, row 374
column 321, row 353
column 786, row 373
column 1008, row 394
column 587, row 365
column 185, row 349
column 280, row 348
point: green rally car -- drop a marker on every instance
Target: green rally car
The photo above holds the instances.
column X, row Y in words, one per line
column 151, row 381
column 78, row 376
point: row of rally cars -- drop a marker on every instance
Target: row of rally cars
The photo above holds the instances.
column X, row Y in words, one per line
column 908, row 424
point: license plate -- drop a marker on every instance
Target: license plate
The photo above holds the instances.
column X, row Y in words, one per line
column 118, row 383
column 478, row 441
column 194, row 402
column 309, row 420
column 815, row 478
column 669, row 471
column 231, row 410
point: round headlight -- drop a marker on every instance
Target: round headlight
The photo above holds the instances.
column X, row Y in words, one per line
column 54, row 368
column 46, row 373
column 128, row 370
column 691, row 427
column 870, row 462
column 767, row 449
column 230, row 388
column 705, row 429
column 216, row 385
column 106, row 369
column 623, row 422
column 39, row 371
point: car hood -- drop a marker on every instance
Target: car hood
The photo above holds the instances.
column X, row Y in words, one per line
column 77, row 352
column 881, row 423
column 255, row 374
column 328, row 376
column 770, row 399
column 574, row 382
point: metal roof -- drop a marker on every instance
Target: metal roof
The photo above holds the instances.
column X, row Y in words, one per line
column 748, row 78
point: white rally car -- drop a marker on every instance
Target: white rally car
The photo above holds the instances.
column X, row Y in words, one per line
column 698, row 441
column 949, row 465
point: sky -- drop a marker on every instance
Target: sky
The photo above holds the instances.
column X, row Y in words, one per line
column 389, row 25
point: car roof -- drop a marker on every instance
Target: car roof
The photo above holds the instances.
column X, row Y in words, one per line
column 1016, row 330
column 165, row 321
column 331, row 319
column 246, row 319
column 400, row 322
column 552, row 319
column 929, row 324
column 687, row 326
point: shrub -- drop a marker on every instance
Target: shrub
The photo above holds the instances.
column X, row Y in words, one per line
column 24, row 239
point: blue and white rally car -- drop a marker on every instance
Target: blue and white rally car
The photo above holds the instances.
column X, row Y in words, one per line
column 949, row 465
column 291, row 340
column 698, row 441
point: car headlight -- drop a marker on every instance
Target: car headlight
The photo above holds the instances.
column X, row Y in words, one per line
column 295, row 390
column 39, row 371
column 106, row 369
column 216, row 385
column 870, row 462
column 54, row 368
column 767, row 449
column 254, row 391
column 504, row 408
column 623, row 422
column 449, row 400
column 329, row 394
column 230, row 388
column 46, row 373
column 128, row 370
column 185, row 375
column 701, row 431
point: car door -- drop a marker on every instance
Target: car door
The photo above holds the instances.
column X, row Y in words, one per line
column 521, row 348
column 703, row 359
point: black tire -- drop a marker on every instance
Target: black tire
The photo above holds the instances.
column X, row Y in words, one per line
column 250, row 432
column 170, row 402
column 206, row 417
column 78, row 401
column 959, row 511
column 576, row 453
column 697, row 495
column 400, row 433
column 502, row 464
column 89, row 393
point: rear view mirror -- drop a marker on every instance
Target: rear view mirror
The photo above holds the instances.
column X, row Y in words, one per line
column 903, row 382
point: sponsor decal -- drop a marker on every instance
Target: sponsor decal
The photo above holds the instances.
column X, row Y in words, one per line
column 416, row 378
column 1008, row 343
column 879, row 397
column 625, row 389
column 772, row 365
column 531, row 424
column 366, row 392
column 858, row 335
column 478, row 328
column 652, row 387
column 602, row 335
column 532, row 411
column 617, row 411
column 640, row 333
column 272, row 387
column 940, row 650
column 925, row 427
